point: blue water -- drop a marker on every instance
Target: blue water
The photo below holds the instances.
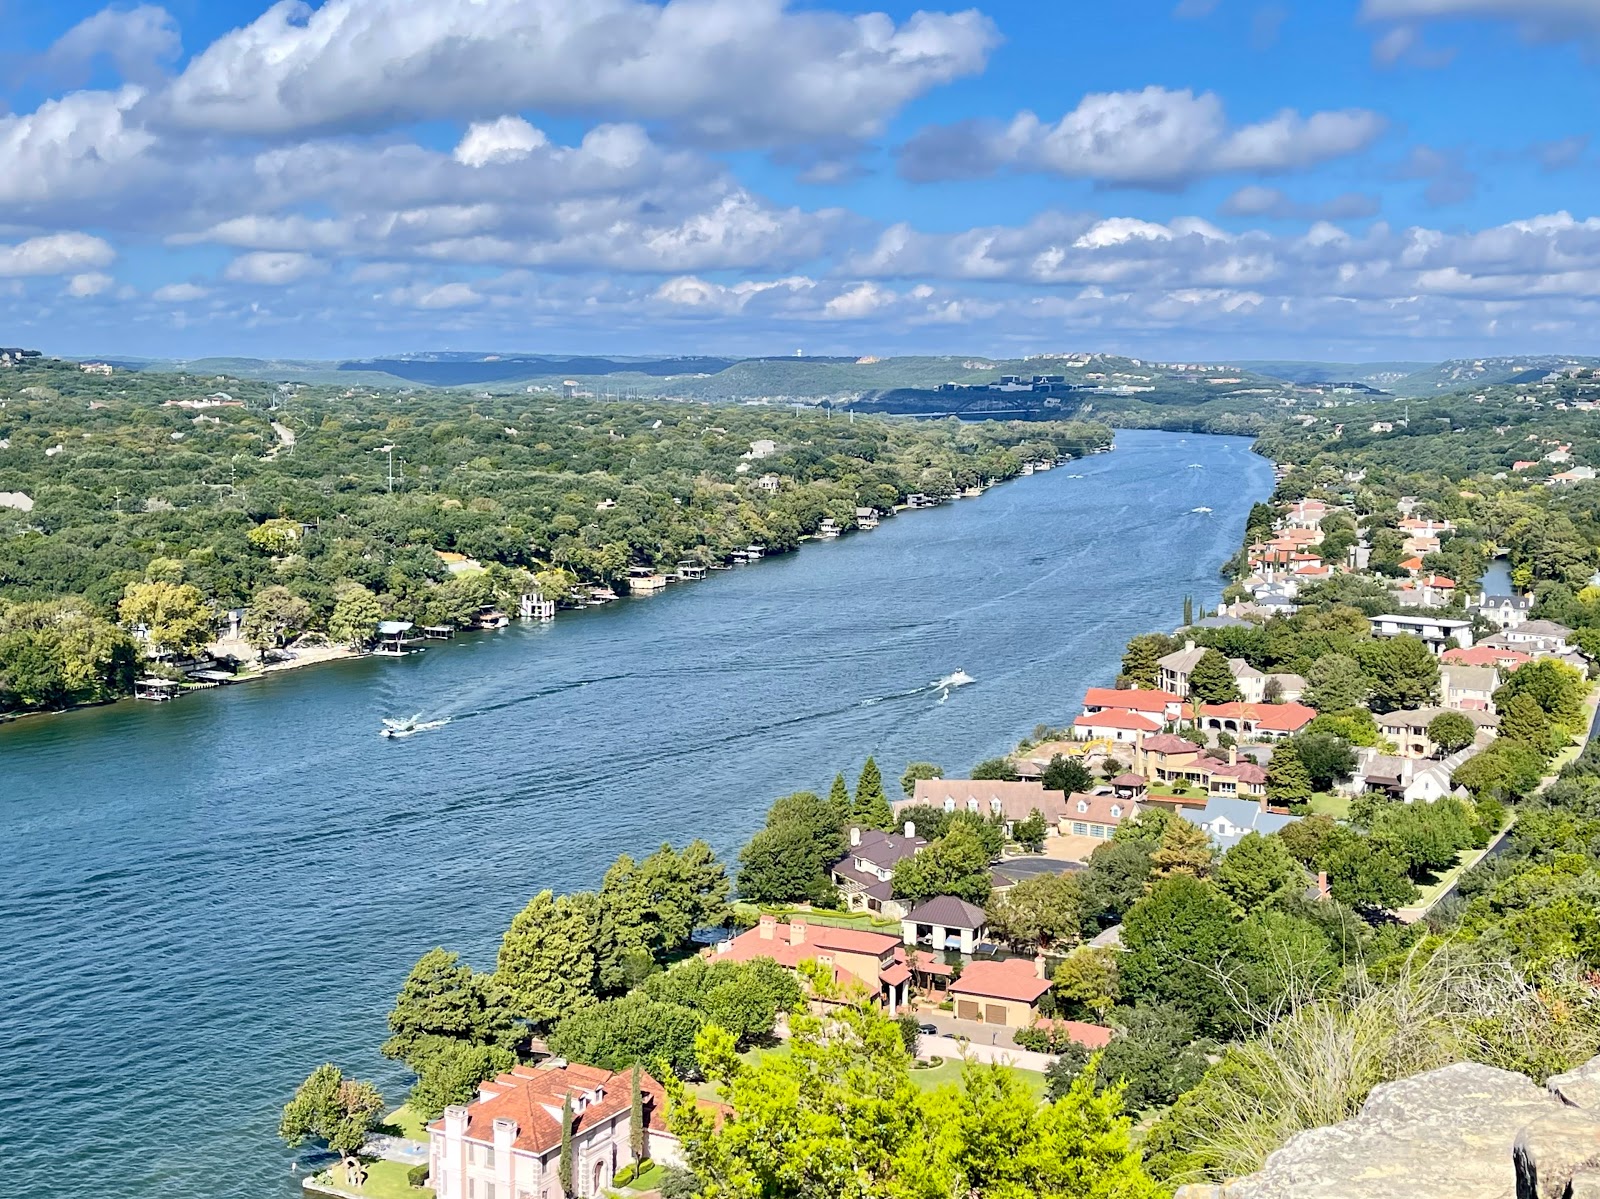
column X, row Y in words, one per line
column 200, row 901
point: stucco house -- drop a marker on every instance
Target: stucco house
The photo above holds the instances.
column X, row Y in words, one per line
column 1000, row 992
column 1436, row 632
column 1160, row 706
column 1408, row 728
column 1411, row 780
column 1112, row 725
column 1468, row 688
column 506, row 1143
column 1270, row 722
column 1505, row 611
column 1097, row 813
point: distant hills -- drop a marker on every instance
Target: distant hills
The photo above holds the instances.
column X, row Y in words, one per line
column 900, row 384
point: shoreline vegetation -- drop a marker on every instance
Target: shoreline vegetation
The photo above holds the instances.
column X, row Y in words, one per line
column 152, row 511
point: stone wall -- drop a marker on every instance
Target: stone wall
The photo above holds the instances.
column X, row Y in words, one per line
column 1464, row 1132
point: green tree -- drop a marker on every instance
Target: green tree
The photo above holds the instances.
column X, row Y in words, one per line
column 1212, row 682
column 1403, row 671
column 1118, row 874
column 636, row 1137
column 871, row 809
column 653, row 907
column 1288, row 780
column 1360, row 876
column 1038, row 912
column 1451, row 731
column 1175, row 942
column 1030, row 833
column 564, row 1159
column 1521, row 719
column 1310, row 839
column 1184, row 849
column 546, row 964
column 916, row 771
column 1001, row 770
column 1258, row 872
column 273, row 614
column 1087, row 979
column 337, row 1111
column 1141, row 660
column 742, row 997
column 275, row 536
column 956, row 864
column 838, row 799
column 617, row 1033
column 1067, row 775
column 445, row 1000
column 356, row 614
column 1557, row 688
column 1155, row 1056
column 1327, row 758
column 175, row 617
column 790, row 859
column 452, row 1075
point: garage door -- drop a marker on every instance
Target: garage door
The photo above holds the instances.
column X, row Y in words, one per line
column 966, row 1009
column 994, row 1013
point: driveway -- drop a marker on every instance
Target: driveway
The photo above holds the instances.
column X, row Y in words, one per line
column 975, row 1031
column 1006, row 1055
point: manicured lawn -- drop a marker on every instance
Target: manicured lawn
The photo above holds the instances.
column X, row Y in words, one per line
column 1325, row 803
column 863, row 920
column 949, row 1070
column 385, row 1180
column 403, row 1122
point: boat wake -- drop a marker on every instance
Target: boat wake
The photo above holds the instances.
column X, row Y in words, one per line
column 409, row 726
column 942, row 686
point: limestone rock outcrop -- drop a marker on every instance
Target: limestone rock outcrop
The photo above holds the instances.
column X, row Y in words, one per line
column 1467, row 1131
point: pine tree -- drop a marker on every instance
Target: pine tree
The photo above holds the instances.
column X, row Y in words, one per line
column 636, row 1119
column 872, row 808
column 564, row 1163
column 1212, row 682
column 1188, row 610
column 839, row 799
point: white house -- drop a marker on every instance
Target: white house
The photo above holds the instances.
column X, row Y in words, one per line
column 1437, row 632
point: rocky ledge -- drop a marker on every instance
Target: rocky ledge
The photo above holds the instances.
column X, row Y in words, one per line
column 1464, row 1132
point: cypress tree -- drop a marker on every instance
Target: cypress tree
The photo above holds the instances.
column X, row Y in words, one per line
column 872, row 808
column 636, row 1129
column 839, row 799
column 1188, row 610
column 564, row 1164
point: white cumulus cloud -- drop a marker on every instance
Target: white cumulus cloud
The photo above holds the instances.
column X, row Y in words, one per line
column 504, row 140
column 55, row 254
column 1151, row 138
column 272, row 268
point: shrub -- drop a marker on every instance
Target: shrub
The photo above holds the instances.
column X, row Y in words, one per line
column 678, row 1183
column 417, row 1176
column 624, row 1176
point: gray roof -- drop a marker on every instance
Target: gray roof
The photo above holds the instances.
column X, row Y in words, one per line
column 1245, row 815
column 885, row 849
column 1222, row 622
column 948, row 911
column 1422, row 717
column 1541, row 628
column 1519, row 603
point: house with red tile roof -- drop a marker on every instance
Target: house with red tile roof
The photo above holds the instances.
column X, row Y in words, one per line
column 1486, row 655
column 1090, row 1036
column 875, row 960
column 507, row 1141
column 1004, row 993
column 1267, row 721
column 1157, row 705
column 1114, row 725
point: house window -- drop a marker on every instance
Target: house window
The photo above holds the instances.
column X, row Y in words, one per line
column 1079, row 828
column 949, row 805
column 488, row 1190
column 1097, row 830
column 1116, row 810
column 488, row 1158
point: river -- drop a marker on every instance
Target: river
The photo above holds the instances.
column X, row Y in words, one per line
column 202, row 900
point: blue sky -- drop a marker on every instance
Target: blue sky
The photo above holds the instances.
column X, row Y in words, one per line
column 1213, row 179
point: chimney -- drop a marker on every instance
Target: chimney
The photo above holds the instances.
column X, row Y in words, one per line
column 855, row 835
column 1188, row 647
column 797, row 931
column 1233, row 755
column 505, row 1135
column 769, row 924
column 455, row 1120
column 1322, row 884
column 911, row 829
column 1038, row 965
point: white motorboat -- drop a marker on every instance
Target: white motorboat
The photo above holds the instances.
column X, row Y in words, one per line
column 406, row 726
column 959, row 679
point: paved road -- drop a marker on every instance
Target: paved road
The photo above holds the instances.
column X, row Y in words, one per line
column 1006, row 1055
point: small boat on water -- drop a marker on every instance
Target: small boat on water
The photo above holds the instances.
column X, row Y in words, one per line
column 959, row 679
column 407, row 725
column 1206, row 510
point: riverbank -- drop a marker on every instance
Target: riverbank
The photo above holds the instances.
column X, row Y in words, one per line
column 318, row 655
